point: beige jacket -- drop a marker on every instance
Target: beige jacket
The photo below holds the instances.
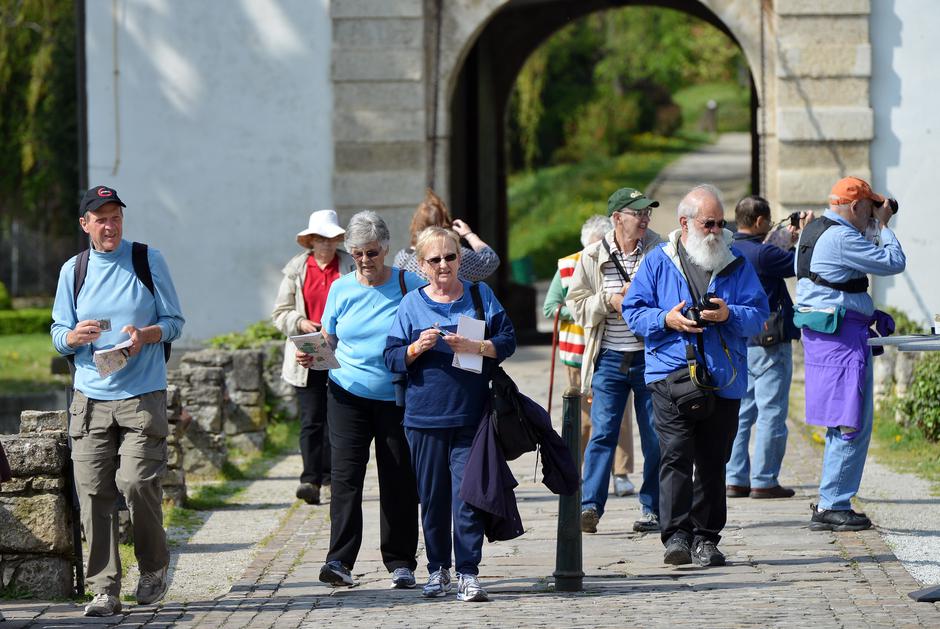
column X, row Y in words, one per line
column 587, row 303
column 289, row 309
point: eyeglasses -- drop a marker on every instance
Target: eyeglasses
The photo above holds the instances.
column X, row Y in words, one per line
column 639, row 213
column 450, row 257
column 371, row 253
column 710, row 223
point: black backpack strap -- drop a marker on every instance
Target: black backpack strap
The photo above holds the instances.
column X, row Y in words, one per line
column 804, row 258
column 478, row 307
column 142, row 266
column 613, row 258
column 401, row 282
column 81, row 270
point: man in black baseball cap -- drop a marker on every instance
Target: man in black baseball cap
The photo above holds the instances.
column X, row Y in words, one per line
column 95, row 197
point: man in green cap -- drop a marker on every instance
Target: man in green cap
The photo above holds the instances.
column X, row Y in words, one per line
column 614, row 363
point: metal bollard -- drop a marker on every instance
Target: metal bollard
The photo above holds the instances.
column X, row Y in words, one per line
column 568, row 574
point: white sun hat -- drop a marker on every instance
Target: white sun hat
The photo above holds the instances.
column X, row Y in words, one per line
column 323, row 223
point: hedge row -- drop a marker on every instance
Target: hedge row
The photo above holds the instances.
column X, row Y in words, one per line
column 25, row 321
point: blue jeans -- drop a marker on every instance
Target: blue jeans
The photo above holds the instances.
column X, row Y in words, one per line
column 611, row 388
column 844, row 461
column 765, row 404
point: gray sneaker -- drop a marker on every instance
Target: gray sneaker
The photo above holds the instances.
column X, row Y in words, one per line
column 403, row 579
column 103, row 605
column 438, row 583
column 152, row 586
column 648, row 523
column 469, row 589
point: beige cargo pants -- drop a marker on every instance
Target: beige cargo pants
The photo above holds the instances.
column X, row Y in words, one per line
column 120, row 445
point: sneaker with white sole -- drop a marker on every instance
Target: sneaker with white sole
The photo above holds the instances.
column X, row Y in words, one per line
column 469, row 589
column 403, row 579
column 103, row 605
column 152, row 586
column 623, row 486
column 438, row 583
column 336, row 574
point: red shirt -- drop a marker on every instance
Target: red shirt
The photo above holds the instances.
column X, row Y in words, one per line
column 317, row 286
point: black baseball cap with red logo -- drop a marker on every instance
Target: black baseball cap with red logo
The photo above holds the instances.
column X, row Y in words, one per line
column 98, row 196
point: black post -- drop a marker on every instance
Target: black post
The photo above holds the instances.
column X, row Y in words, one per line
column 568, row 574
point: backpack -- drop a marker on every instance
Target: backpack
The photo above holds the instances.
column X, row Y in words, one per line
column 514, row 430
column 141, row 269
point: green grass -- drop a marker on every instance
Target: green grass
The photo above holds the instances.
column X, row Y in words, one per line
column 548, row 206
column 25, row 364
column 734, row 105
column 904, row 448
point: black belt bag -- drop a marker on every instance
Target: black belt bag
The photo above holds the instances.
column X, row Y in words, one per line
column 690, row 400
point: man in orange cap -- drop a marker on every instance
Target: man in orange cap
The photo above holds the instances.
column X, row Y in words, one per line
column 834, row 257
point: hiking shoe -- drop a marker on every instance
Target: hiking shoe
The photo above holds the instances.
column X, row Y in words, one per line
column 706, row 553
column 469, row 589
column 309, row 493
column 336, row 574
column 589, row 520
column 838, row 520
column 103, row 605
column 772, row 492
column 623, row 486
column 677, row 551
column 438, row 583
column 648, row 523
column 403, row 579
column 152, row 586
column 737, row 491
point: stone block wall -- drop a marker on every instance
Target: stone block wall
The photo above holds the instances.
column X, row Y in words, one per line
column 174, row 480
column 35, row 518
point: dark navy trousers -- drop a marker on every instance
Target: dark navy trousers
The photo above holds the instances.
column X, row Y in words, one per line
column 439, row 456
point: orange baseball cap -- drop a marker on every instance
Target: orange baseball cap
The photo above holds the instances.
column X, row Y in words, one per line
column 850, row 189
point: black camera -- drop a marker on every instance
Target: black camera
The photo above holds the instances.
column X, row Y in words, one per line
column 695, row 312
column 795, row 219
column 892, row 203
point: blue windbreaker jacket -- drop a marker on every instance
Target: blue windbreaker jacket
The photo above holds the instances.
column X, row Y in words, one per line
column 660, row 284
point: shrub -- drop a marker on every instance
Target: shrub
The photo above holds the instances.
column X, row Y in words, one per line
column 922, row 402
column 255, row 335
column 25, row 321
column 5, row 302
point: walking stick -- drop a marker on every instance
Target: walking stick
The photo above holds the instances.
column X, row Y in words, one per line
column 551, row 376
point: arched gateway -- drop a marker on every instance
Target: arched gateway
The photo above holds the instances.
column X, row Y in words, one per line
column 420, row 88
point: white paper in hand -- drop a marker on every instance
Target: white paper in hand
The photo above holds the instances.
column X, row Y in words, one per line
column 317, row 346
column 472, row 329
column 108, row 361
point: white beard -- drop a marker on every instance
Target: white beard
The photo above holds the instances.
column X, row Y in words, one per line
column 706, row 251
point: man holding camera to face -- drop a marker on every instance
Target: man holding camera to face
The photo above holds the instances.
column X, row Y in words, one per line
column 695, row 301
column 834, row 257
column 769, row 354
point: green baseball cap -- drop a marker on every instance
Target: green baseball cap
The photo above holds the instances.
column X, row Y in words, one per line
column 629, row 198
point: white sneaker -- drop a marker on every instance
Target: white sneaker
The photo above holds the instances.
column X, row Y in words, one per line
column 623, row 486
column 152, row 586
column 469, row 589
column 403, row 579
column 438, row 583
column 103, row 605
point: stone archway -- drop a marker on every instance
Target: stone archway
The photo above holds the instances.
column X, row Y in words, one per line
column 396, row 76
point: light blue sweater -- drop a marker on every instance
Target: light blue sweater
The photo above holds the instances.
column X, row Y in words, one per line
column 112, row 291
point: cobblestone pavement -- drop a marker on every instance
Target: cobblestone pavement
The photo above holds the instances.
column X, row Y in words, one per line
column 779, row 573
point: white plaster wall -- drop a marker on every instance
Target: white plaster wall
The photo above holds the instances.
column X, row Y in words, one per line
column 905, row 156
column 219, row 142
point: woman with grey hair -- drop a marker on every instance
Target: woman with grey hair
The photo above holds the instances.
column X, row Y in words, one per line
column 571, row 350
column 359, row 311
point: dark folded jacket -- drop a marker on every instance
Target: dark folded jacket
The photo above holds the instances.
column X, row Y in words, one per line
column 5, row 473
column 488, row 483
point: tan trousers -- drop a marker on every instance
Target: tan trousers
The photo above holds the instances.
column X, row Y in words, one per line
column 120, row 445
column 623, row 455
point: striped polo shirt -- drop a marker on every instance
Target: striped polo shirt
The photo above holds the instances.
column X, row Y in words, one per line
column 617, row 336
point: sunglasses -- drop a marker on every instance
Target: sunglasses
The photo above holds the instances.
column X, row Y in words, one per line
column 710, row 223
column 371, row 253
column 639, row 213
column 450, row 257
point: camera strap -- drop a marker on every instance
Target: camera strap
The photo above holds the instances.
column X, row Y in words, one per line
column 613, row 258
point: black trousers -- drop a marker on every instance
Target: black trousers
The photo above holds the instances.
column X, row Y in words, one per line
column 314, row 433
column 693, row 507
column 354, row 422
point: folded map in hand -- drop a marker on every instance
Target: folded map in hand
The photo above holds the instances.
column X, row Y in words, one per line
column 113, row 359
column 317, row 346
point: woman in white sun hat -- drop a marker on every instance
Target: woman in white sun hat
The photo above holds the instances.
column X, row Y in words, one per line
column 297, row 310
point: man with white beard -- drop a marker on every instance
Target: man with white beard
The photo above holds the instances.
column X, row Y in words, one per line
column 695, row 300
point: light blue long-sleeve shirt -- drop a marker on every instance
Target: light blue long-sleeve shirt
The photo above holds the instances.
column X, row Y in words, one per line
column 112, row 291
column 842, row 253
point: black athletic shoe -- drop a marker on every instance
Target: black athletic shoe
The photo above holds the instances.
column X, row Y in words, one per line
column 677, row 551
column 838, row 520
column 309, row 493
column 336, row 574
column 706, row 553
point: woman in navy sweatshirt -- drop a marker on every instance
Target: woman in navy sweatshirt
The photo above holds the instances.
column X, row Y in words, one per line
column 444, row 404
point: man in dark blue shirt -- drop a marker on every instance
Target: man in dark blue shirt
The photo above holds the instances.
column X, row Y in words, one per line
column 769, row 359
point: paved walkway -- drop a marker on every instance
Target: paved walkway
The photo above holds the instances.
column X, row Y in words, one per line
column 780, row 573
